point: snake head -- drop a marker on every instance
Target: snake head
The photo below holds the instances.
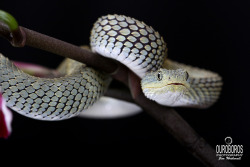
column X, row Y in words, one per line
column 166, row 86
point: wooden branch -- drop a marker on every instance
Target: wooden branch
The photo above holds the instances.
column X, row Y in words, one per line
column 25, row 37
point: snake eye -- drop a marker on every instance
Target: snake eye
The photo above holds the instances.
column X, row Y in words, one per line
column 187, row 76
column 159, row 76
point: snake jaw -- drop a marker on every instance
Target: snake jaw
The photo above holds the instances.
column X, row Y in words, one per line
column 174, row 84
column 163, row 96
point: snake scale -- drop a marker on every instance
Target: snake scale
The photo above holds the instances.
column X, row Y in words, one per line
column 126, row 40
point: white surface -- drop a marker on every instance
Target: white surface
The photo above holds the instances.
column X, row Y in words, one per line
column 107, row 108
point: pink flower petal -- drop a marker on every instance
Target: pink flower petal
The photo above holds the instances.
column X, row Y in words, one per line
column 36, row 70
column 5, row 119
column 5, row 113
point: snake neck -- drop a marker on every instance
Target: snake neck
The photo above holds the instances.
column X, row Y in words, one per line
column 203, row 92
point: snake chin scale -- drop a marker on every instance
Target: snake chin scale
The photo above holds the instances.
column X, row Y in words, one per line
column 167, row 98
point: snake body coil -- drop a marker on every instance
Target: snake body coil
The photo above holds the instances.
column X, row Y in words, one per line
column 124, row 39
column 129, row 41
column 51, row 99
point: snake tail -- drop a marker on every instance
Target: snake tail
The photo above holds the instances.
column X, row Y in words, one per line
column 51, row 98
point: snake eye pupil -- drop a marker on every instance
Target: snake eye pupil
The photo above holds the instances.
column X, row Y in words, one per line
column 159, row 76
column 187, row 75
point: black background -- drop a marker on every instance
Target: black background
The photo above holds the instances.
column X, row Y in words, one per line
column 210, row 34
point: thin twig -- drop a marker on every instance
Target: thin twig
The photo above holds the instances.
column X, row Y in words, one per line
column 167, row 117
column 37, row 40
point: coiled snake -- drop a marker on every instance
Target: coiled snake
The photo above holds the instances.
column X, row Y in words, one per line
column 127, row 40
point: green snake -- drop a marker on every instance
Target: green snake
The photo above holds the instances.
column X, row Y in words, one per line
column 126, row 40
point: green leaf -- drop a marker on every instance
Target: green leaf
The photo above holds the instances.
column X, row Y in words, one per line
column 9, row 20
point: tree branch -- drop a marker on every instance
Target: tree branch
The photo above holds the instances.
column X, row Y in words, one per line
column 167, row 117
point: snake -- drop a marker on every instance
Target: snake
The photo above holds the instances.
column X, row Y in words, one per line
column 126, row 40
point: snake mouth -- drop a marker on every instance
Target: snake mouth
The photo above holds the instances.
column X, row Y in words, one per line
column 176, row 84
